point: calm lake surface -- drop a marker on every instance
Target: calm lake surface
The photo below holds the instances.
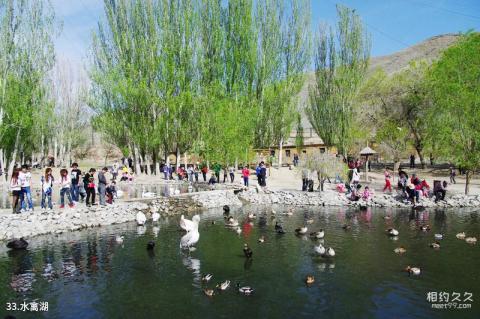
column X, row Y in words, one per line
column 87, row 274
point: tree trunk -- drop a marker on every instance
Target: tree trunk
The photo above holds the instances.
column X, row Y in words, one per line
column 14, row 155
column 2, row 166
column 396, row 166
column 156, row 163
column 177, row 159
column 185, row 160
column 469, row 175
column 280, row 146
column 147, row 164
column 420, row 155
column 55, row 150
column 136, row 158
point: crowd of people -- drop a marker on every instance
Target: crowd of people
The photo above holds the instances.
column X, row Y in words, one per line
column 73, row 187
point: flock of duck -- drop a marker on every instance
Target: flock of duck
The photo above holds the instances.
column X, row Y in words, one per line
column 192, row 236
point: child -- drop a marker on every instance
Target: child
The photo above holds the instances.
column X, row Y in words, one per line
column 65, row 188
column 25, row 180
column 75, row 174
column 47, row 189
column 367, row 194
column 89, row 182
column 388, row 185
column 245, row 175
column 111, row 191
column 16, row 188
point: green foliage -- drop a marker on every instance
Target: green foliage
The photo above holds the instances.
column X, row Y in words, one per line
column 454, row 117
column 341, row 61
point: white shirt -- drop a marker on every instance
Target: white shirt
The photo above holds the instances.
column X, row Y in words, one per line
column 24, row 179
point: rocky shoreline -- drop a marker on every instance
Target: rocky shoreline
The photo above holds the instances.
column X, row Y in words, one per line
column 59, row 221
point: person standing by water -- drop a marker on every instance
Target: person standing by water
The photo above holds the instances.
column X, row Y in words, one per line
column 388, row 184
column 16, row 188
column 217, row 168
column 115, row 168
column 452, row 175
column 263, row 174
column 225, row 173
column 412, row 161
column 25, row 178
column 204, row 172
column 89, row 183
column 102, row 185
column 245, row 175
column 75, row 174
column 47, row 189
column 65, row 188
column 231, row 171
column 195, row 172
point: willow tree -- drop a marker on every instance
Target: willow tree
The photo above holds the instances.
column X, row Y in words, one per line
column 454, row 116
column 341, row 61
column 27, row 29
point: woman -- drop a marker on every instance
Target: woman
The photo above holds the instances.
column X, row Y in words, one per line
column 231, row 171
column 195, row 172
column 47, row 188
column 89, row 183
column 16, row 188
column 245, row 175
column 65, row 188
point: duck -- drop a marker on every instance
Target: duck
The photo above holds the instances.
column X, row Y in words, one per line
column 119, row 239
column 207, row 277
column 425, row 228
column 318, row 234
column 346, row 227
column 246, row 290
column 309, row 279
column 231, row 222
column 461, row 235
column 226, row 210
column 392, row 232
column 209, row 292
column 329, row 252
column 309, row 221
column 400, row 250
column 224, row 285
column 471, row 240
column 413, row 270
column 438, row 236
column 319, row 249
column 146, row 194
column 17, row 244
column 155, row 217
column 274, row 212
column 261, row 239
column 247, row 251
column 435, row 245
column 252, row 216
column 150, row 245
column 301, row 231
column 280, row 231
column 141, row 219
column 278, row 226
column 238, row 230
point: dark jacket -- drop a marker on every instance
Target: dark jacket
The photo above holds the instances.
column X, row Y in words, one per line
column 102, row 179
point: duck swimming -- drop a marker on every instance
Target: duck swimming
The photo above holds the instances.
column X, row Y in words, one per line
column 309, row 221
column 252, row 216
column 425, row 228
column 278, row 226
column 119, row 239
column 238, row 230
column 319, row 250
column 226, row 210
column 224, row 285
column 247, row 251
column 438, row 236
column 301, row 231
column 329, row 252
column 461, row 235
column 413, row 270
column 17, row 244
column 150, row 245
column 141, row 219
column 318, row 234
column 392, row 232
column 309, row 279
column 346, row 227
column 209, row 292
column 400, row 250
column 231, row 222
column 246, row 290
column 261, row 239
column 207, row 277
column 435, row 245
column 471, row 240
column 155, row 217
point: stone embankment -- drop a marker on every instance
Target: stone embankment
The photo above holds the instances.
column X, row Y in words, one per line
column 59, row 221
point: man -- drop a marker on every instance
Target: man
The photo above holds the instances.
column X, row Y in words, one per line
column 257, row 172
column 412, row 161
column 102, row 185
column 231, row 171
column 25, row 178
column 75, row 178
column 217, row 168
column 263, row 174
column 304, row 179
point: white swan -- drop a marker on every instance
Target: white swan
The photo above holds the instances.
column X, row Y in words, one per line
column 119, row 239
column 438, row 236
column 155, row 217
column 155, row 230
column 187, row 224
column 238, row 230
column 318, row 235
column 319, row 249
column 330, row 252
column 141, row 219
column 190, row 239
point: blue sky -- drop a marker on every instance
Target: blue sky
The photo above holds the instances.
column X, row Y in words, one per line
column 393, row 24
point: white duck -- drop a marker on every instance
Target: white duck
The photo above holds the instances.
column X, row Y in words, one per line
column 155, row 217
column 224, row 285
column 329, row 252
column 238, row 230
column 146, row 194
column 392, row 232
column 319, row 249
column 231, row 222
column 119, row 239
column 141, row 219
column 318, row 235
column 471, row 240
column 461, row 235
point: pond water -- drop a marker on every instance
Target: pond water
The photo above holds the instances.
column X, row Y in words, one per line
column 87, row 274
column 128, row 191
